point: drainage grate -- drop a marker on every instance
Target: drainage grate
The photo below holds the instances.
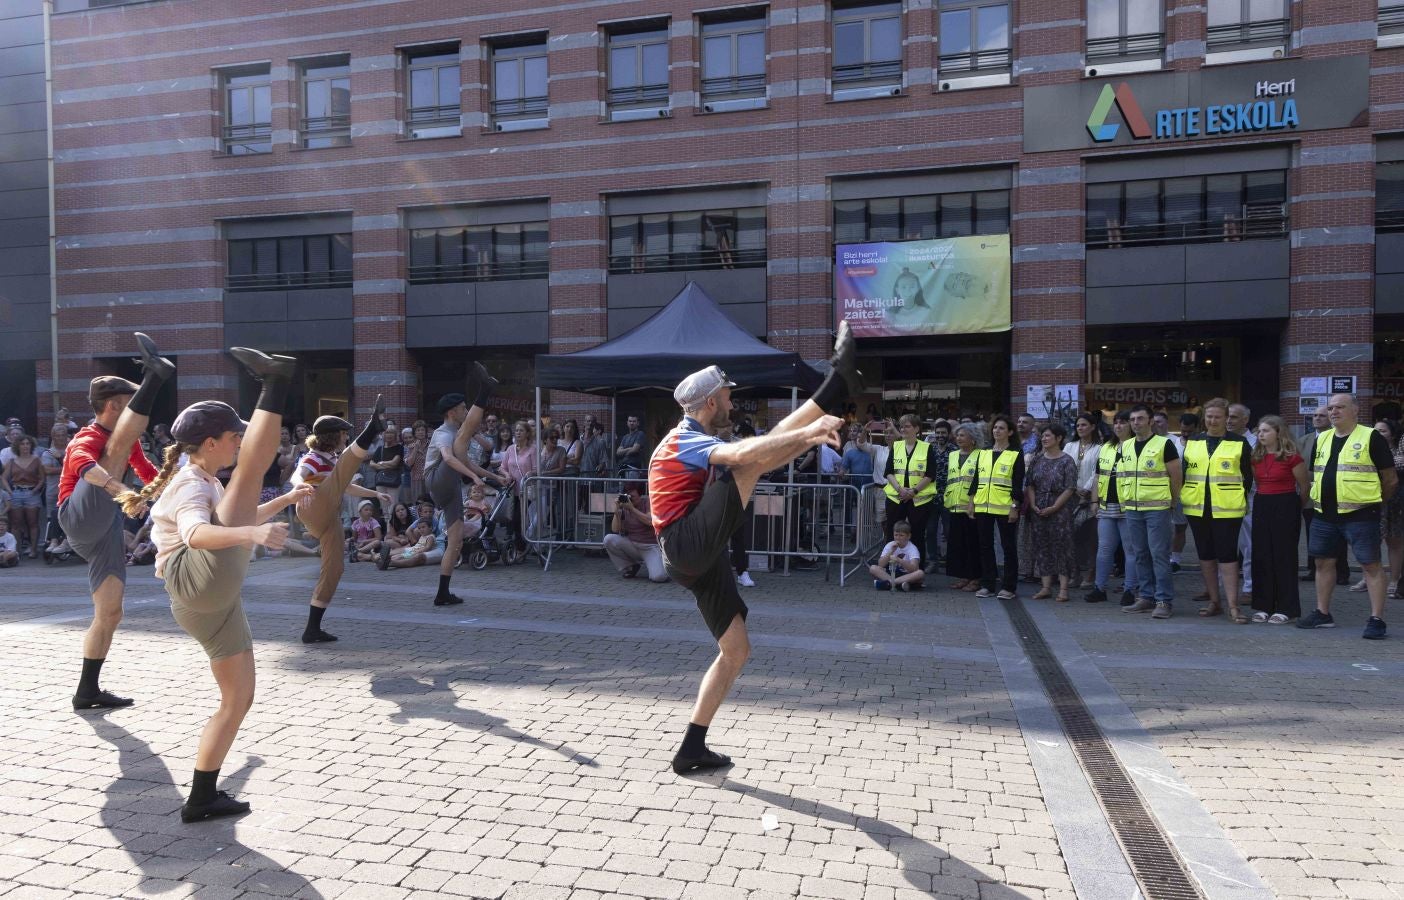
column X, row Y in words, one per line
column 1157, row 867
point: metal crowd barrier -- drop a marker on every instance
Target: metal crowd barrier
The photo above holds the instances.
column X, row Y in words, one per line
column 828, row 522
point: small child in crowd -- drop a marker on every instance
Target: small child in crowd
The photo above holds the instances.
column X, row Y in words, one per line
column 899, row 566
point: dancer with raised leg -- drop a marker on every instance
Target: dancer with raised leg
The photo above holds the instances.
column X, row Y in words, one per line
column 699, row 487
column 446, row 464
column 93, row 467
column 203, row 534
column 328, row 466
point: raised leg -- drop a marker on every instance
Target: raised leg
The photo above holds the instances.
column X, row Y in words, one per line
column 239, row 505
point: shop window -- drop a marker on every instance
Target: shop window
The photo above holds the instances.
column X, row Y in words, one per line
column 519, row 79
column 289, row 263
column 508, row 252
column 974, row 37
column 733, row 57
column 1247, row 23
column 1124, row 30
column 432, row 77
column 921, row 218
column 867, row 45
column 248, row 117
column 1389, row 196
column 670, row 242
column 638, row 69
column 1187, row 210
column 1391, row 17
column 325, row 102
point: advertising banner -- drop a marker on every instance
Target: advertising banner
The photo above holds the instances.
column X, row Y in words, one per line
column 948, row 286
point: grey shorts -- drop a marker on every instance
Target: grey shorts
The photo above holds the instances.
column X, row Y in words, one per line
column 204, row 586
column 697, row 554
column 445, row 485
column 92, row 522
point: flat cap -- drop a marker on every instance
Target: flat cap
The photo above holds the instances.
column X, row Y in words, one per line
column 700, row 385
column 330, row 425
column 449, row 401
column 206, row 419
column 105, row 387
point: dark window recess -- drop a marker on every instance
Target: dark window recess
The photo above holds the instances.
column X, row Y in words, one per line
column 670, row 242
column 974, row 37
column 519, row 82
column 1124, row 29
column 1187, row 210
column 638, row 69
column 733, row 59
column 326, row 105
column 290, row 263
column 248, row 118
column 921, row 218
column 1236, row 23
column 1391, row 16
column 1389, row 196
column 867, row 45
column 478, row 253
column 433, row 79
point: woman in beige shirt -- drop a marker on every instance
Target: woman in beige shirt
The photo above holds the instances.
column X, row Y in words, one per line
column 203, row 534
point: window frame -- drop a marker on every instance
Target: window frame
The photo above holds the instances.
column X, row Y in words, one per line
column 697, row 254
column 335, row 129
column 284, row 277
column 975, row 62
column 640, row 95
column 1256, row 220
column 939, row 231
column 471, row 267
column 1247, row 32
column 869, row 73
column 1389, row 219
column 244, row 134
column 521, row 108
column 1391, row 17
column 741, row 86
column 441, row 118
column 1126, row 46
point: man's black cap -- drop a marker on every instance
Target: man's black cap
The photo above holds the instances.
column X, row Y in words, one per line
column 206, row 419
column 449, row 401
column 330, row 425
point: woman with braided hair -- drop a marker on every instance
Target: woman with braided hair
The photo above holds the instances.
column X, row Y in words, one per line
column 203, row 534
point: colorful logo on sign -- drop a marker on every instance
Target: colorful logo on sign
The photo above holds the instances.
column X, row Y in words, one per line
column 1124, row 100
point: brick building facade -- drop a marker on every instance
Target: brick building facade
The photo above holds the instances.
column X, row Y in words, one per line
column 390, row 189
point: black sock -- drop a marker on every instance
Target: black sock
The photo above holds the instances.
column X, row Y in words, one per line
column 695, row 741
column 88, row 682
column 444, row 585
column 831, row 391
column 202, row 787
column 274, row 396
column 314, row 618
column 144, row 400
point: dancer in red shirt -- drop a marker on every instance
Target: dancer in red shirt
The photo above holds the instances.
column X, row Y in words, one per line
column 97, row 458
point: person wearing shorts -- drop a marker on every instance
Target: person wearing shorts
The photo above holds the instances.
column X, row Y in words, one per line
column 91, row 479
column 446, row 464
column 1218, row 467
column 328, row 467
column 699, row 486
column 203, row 534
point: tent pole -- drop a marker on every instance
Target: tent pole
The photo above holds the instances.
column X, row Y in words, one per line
column 609, row 438
column 790, row 490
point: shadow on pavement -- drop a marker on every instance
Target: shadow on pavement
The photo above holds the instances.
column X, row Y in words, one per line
column 923, row 864
column 145, row 799
column 436, row 699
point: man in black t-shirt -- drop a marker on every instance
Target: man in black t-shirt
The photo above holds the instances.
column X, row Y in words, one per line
column 1357, row 525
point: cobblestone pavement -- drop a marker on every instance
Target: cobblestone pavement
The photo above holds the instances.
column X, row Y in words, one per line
column 517, row 746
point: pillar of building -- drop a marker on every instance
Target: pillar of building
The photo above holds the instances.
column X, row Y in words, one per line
column 381, row 364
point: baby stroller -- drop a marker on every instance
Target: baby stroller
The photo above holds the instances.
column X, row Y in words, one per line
column 487, row 546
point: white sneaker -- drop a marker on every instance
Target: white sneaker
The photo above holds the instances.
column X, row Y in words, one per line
column 745, row 580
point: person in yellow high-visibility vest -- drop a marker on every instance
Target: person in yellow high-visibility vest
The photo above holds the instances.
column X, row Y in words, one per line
column 962, row 539
column 910, row 488
column 996, row 491
column 1148, row 481
column 1218, row 467
column 1352, row 475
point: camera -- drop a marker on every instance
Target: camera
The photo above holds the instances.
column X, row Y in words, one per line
column 622, row 499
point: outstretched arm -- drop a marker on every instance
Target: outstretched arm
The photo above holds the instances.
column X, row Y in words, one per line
column 768, row 451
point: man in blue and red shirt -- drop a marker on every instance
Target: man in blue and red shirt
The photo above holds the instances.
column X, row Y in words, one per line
column 699, row 487
column 91, row 479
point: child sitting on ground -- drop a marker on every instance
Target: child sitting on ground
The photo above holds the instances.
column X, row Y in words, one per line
column 899, row 566
column 9, row 549
column 365, row 533
column 415, row 554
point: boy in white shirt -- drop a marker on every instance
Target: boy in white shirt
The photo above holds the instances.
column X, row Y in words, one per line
column 899, row 566
column 9, row 550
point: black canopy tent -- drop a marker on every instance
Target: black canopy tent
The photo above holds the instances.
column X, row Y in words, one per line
column 688, row 334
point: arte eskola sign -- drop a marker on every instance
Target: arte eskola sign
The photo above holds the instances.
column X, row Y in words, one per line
column 1282, row 96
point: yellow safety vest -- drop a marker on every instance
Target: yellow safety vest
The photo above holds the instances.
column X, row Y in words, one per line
column 1143, row 483
column 1219, row 475
column 1106, row 466
column 1357, row 479
column 958, row 480
column 902, row 467
column 995, row 494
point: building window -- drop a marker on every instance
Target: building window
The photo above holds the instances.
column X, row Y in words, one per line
column 248, row 119
column 921, row 218
column 1389, row 196
column 974, row 37
column 867, row 45
column 1187, row 210
column 432, row 77
column 1391, row 16
column 1235, row 23
column 670, row 242
column 1120, row 29
column 638, row 69
column 519, row 81
column 733, row 58
column 478, row 253
column 290, row 263
column 325, row 95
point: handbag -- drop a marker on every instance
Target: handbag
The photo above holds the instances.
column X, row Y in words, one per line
column 1083, row 514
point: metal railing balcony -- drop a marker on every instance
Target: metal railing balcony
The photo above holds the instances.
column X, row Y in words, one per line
column 889, row 72
column 1125, row 46
column 974, row 61
column 1267, row 31
column 255, row 137
column 1255, row 224
column 733, row 86
column 624, row 264
column 289, row 281
column 514, row 270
